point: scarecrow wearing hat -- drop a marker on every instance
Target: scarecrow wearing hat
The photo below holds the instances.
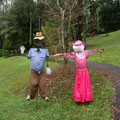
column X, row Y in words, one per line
column 82, row 87
column 38, row 57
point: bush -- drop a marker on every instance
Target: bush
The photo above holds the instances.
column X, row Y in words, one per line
column 6, row 47
column 6, row 53
column 1, row 52
column 55, row 49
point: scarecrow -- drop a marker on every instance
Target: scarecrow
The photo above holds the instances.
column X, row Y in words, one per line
column 82, row 87
column 38, row 57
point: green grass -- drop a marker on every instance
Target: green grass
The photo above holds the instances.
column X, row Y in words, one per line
column 14, row 81
column 111, row 44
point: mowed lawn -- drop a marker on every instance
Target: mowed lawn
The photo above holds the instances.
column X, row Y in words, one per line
column 14, row 81
column 111, row 45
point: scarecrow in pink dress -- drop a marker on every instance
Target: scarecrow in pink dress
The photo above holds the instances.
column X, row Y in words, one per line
column 82, row 87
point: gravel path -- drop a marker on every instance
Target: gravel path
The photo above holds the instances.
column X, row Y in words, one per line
column 115, row 78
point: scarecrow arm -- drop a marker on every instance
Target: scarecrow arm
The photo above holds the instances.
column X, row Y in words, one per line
column 88, row 53
column 65, row 55
column 29, row 54
column 47, row 55
column 68, row 55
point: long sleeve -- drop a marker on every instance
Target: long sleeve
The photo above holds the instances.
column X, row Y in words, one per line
column 47, row 54
column 88, row 53
column 68, row 55
column 29, row 54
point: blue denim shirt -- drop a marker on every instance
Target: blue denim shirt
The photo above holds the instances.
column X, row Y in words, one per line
column 38, row 59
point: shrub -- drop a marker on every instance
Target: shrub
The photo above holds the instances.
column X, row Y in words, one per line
column 6, row 53
column 55, row 49
column 1, row 52
column 6, row 47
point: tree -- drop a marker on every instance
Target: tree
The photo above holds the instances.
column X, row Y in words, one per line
column 110, row 15
column 62, row 12
column 80, row 19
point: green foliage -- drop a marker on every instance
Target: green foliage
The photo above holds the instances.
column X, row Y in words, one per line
column 110, row 15
column 1, row 52
column 55, row 49
column 6, row 47
column 50, row 32
column 102, row 16
column 16, row 21
column 6, row 53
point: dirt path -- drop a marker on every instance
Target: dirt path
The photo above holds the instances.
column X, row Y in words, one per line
column 113, row 73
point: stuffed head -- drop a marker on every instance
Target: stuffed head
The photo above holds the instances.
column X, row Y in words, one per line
column 38, row 40
column 78, row 46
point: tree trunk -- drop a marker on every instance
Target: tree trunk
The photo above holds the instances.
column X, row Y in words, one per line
column 59, row 40
column 3, row 7
column 12, row 1
column 40, row 24
column 0, row 8
column 93, row 31
column 30, row 37
column 67, row 32
column 80, row 28
column 6, row 6
column 80, row 25
column 119, row 4
column 62, row 25
column 66, row 47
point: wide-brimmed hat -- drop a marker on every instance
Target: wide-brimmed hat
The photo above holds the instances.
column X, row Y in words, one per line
column 78, row 42
column 39, row 36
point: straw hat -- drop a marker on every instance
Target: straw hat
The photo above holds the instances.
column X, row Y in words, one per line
column 39, row 36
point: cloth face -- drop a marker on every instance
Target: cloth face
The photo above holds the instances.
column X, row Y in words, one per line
column 38, row 43
column 79, row 48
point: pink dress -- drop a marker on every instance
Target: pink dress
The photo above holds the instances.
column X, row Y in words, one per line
column 82, row 87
